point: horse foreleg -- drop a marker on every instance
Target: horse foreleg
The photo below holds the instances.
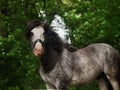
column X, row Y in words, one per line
column 50, row 87
column 62, row 88
column 61, row 85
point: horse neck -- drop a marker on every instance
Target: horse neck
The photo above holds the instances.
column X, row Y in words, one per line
column 49, row 59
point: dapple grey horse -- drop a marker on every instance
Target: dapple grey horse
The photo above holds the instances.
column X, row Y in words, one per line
column 60, row 67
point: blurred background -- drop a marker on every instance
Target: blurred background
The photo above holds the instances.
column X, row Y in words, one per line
column 85, row 21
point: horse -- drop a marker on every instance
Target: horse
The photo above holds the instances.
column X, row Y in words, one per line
column 60, row 68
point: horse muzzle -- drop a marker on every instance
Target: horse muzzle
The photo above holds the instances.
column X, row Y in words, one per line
column 38, row 48
column 38, row 52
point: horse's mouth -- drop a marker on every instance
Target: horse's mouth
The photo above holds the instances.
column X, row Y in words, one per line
column 38, row 53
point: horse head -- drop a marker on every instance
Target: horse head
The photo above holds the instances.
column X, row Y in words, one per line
column 42, row 37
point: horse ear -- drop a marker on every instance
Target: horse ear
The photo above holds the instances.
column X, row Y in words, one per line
column 46, row 26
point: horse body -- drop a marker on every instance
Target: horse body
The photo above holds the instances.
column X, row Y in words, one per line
column 83, row 66
column 61, row 68
column 91, row 61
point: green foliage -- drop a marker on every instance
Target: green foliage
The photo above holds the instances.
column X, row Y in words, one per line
column 89, row 21
column 94, row 21
column 90, row 86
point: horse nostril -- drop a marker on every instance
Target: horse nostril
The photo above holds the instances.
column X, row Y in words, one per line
column 37, row 52
column 38, row 49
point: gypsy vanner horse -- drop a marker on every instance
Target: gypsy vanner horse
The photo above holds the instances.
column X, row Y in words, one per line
column 60, row 67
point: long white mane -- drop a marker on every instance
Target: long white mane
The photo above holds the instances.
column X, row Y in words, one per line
column 59, row 27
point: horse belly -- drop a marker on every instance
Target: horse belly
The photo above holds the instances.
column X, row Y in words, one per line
column 84, row 77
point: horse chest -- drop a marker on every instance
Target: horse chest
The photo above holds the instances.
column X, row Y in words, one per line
column 48, row 78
